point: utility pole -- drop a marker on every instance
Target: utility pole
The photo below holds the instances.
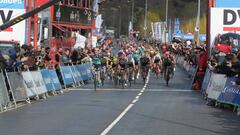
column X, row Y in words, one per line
column 145, row 18
column 120, row 20
column 197, row 28
column 166, row 24
column 133, row 4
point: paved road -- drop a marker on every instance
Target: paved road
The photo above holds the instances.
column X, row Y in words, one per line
column 141, row 110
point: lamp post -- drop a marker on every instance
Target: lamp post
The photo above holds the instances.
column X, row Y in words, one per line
column 133, row 4
column 197, row 28
column 145, row 18
column 120, row 20
column 166, row 24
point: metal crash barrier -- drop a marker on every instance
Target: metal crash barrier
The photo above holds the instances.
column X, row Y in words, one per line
column 216, row 88
column 31, row 85
column 4, row 97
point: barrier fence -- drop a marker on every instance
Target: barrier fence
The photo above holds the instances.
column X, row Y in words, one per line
column 189, row 68
column 216, row 87
column 4, row 98
column 27, row 84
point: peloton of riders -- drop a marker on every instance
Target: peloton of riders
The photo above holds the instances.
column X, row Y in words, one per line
column 131, row 60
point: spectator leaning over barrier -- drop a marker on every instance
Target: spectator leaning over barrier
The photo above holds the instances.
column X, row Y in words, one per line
column 14, row 62
column 65, row 58
column 47, row 58
column 75, row 56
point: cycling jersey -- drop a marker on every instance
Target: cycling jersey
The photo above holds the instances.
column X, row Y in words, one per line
column 144, row 61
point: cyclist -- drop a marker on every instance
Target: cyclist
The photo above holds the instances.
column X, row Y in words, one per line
column 144, row 65
column 122, row 65
column 157, row 64
column 136, row 57
column 131, row 65
column 168, row 59
column 97, row 66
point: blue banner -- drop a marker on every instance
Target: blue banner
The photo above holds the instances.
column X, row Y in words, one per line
column 67, row 75
column 55, row 80
column 231, row 92
column 228, row 3
column 188, row 37
column 170, row 31
column 85, row 71
column 203, row 37
column 51, row 80
column 12, row 4
column 177, row 26
column 76, row 74
column 47, row 79
column 89, row 70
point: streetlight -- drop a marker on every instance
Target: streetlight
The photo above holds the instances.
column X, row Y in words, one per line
column 197, row 28
column 120, row 20
column 166, row 24
column 132, row 11
column 145, row 18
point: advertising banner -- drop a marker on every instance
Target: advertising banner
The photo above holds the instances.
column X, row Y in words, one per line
column 4, row 97
column 74, row 15
column 67, row 75
column 18, row 86
column 156, row 26
column 224, row 20
column 10, row 9
column 216, row 85
column 76, row 74
column 85, row 71
column 207, row 77
column 51, row 80
column 231, row 92
column 39, row 83
column 228, row 3
column 31, row 89
column 203, row 37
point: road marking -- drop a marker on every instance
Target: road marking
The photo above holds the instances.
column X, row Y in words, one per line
column 116, row 120
column 129, row 90
column 135, row 100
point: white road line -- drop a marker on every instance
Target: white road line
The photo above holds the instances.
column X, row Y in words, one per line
column 116, row 120
column 128, row 90
column 137, row 97
column 134, row 101
column 126, row 110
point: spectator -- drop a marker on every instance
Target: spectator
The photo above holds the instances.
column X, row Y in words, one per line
column 75, row 57
column 3, row 62
column 65, row 59
column 47, row 58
